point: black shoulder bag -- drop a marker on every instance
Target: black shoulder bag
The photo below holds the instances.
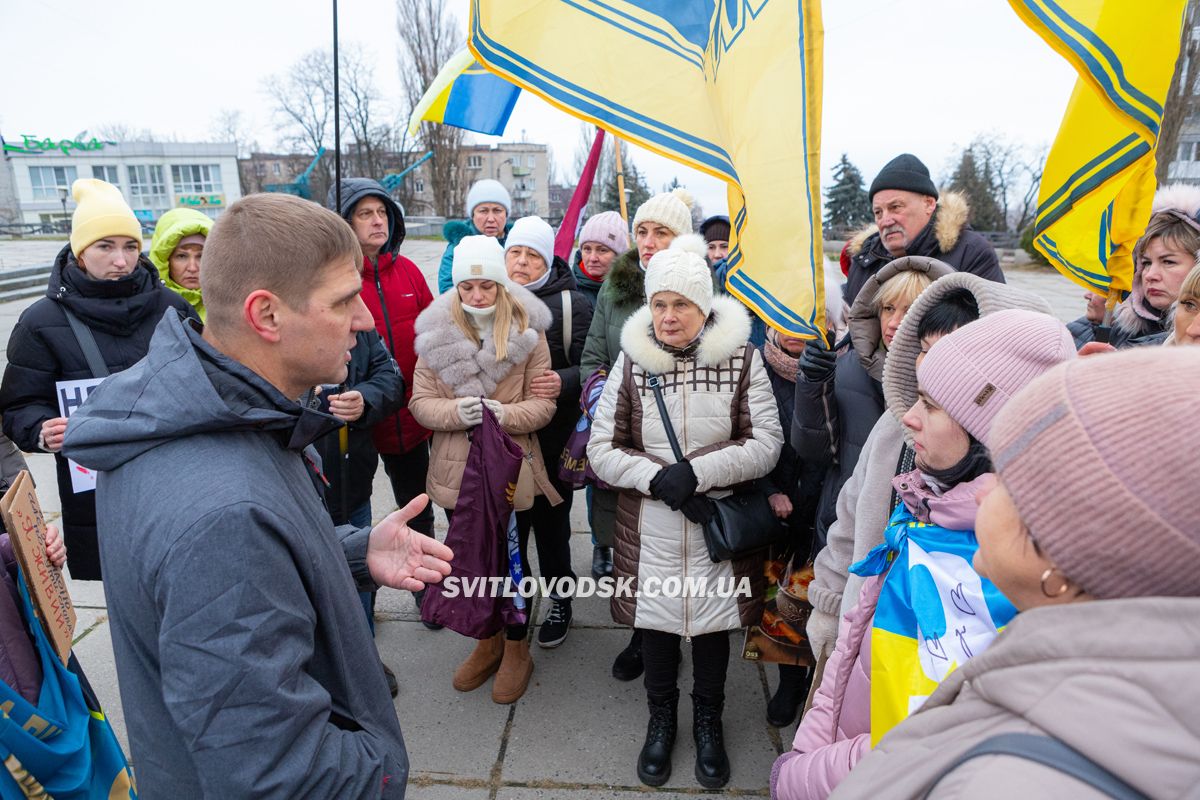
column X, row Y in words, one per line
column 743, row 522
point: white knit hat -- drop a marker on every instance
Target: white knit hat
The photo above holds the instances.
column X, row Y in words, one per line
column 488, row 191
column 672, row 209
column 479, row 258
column 681, row 268
column 535, row 233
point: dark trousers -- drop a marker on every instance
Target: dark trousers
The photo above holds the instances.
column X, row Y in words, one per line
column 551, row 535
column 407, row 472
column 710, row 663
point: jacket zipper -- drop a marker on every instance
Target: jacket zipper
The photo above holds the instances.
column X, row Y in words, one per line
column 687, row 635
column 387, row 325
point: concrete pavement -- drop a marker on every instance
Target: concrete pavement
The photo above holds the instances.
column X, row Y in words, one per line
column 576, row 733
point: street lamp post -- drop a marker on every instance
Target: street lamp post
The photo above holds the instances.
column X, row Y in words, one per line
column 62, row 197
column 501, row 164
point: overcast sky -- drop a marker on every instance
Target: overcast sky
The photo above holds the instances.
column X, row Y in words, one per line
column 923, row 76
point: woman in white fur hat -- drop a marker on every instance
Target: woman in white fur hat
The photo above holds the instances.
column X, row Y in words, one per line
column 697, row 344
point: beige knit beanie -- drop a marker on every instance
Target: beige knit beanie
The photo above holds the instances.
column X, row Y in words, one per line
column 1100, row 456
column 672, row 209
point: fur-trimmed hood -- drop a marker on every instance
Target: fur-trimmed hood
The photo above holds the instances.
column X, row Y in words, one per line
column 626, row 280
column 725, row 333
column 865, row 331
column 468, row 370
column 950, row 219
column 1135, row 315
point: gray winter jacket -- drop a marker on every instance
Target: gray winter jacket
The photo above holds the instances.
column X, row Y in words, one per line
column 245, row 662
column 1113, row 679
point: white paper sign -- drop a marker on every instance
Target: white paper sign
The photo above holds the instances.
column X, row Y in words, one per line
column 71, row 395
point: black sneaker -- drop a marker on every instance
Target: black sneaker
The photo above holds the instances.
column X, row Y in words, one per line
column 556, row 624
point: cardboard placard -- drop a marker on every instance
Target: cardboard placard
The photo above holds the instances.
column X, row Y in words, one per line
column 22, row 515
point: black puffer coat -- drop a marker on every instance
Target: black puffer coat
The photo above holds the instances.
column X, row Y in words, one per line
column 564, row 361
column 42, row 350
column 372, row 372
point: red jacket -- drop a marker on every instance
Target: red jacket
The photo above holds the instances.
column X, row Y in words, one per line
column 396, row 293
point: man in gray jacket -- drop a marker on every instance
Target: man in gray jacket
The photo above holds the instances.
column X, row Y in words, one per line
column 245, row 662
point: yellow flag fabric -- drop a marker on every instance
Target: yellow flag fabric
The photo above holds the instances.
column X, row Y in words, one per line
column 1098, row 182
column 729, row 87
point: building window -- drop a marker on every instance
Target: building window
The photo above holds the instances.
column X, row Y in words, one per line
column 531, row 162
column 474, row 162
column 419, row 185
column 196, row 178
column 46, row 180
column 147, row 189
column 107, row 174
column 529, row 182
column 276, row 165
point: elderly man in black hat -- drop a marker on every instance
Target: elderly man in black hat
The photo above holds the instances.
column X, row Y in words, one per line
column 911, row 220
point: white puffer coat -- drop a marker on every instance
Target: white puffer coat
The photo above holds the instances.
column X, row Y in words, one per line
column 720, row 403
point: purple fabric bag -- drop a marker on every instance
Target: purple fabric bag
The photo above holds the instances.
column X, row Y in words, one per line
column 478, row 536
column 573, row 467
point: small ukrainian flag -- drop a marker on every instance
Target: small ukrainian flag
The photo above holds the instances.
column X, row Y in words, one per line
column 466, row 95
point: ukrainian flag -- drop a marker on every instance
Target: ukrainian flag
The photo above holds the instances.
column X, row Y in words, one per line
column 1098, row 182
column 731, row 88
column 466, row 95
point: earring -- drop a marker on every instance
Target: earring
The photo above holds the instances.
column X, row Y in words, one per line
column 1062, row 589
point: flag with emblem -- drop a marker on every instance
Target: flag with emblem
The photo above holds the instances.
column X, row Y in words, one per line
column 729, row 87
column 1098, row 182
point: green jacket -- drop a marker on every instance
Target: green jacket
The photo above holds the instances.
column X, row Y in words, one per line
column 173, row 226
column 622, row 293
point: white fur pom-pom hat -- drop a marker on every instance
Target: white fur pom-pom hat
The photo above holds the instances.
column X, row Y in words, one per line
column 681, row 268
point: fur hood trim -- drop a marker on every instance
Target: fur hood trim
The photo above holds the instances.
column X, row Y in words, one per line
column 949, row 220
column 471, row 371
column 627, row 281
column 1135, row 315
column 1179, row 196
column 726, row 333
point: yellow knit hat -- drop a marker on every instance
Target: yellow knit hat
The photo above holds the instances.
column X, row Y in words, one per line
column 100, row 211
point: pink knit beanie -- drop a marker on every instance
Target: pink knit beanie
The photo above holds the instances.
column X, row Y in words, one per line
column 607, row 229
column 973, row 371
column 1099, row 455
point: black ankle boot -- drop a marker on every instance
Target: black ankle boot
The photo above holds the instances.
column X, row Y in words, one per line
column 628, row 664
column 793, row 689
column 654, row 762
column 602, row 565
column 712, row 763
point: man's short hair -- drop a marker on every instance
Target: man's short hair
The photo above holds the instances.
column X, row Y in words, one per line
column 275, row 242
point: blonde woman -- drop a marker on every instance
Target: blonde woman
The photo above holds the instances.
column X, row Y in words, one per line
column 1186, row 316
column 483, row 343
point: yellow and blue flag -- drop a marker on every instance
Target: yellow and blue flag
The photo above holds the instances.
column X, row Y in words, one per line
column 1098, row 182
column 728, row 87
column 466, row 95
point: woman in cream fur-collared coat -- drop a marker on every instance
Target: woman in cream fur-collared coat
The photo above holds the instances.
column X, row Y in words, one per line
column 719, row 399
column 462, row 365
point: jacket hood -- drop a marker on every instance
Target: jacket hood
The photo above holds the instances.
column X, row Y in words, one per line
column 1076, row 670
column 726, row 332
column 183, row 387
column 865, row 331
column 171, row 228
column 454, row 230
column 115, row 307
column 900, row 369
column 1135, row 315
column 355, row 189
column 950, row 219
column 470, row 370
column 626, row 279
column 561, row 280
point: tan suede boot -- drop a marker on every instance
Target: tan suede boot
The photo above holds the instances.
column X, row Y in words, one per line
column 514, row 672
column 479, row 666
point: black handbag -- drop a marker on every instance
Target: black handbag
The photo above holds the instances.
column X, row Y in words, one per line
column 743, row 522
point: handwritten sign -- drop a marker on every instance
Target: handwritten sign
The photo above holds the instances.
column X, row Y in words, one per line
column 71, row 395
column 22, row 515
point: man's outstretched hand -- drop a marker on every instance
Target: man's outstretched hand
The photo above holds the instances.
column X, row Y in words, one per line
column 402, row 558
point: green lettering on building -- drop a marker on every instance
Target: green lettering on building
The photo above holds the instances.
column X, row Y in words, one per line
column 32, row 145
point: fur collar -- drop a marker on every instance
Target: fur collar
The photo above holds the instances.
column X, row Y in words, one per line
column 627, row 281
column 949, row 220
column 470, row 371
column 728, row 332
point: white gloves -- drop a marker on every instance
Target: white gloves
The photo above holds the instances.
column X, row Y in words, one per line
column 470, row 411
column 496, row 408
column 822, row 631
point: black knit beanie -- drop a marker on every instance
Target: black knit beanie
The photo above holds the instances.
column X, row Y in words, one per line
column 904, row 172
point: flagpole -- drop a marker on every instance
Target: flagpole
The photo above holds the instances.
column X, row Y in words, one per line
column 620, row 179
column 337, row 119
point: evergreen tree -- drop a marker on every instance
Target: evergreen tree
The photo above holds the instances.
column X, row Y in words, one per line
column 846, row 203
column 979, row 186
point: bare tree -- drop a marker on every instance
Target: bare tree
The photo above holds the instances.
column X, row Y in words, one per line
column 229, row 126
column 124, row 132
column 429, row 36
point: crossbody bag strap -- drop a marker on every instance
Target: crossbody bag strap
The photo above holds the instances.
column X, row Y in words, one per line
column 87, row 343
column 655, row 383
column 1048, row 752
column 566, row 321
